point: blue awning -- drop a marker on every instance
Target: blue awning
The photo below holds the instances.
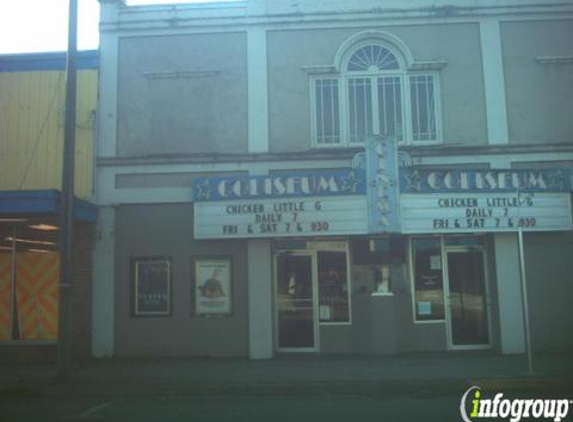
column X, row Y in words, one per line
column 28, row 62
column 42, row 202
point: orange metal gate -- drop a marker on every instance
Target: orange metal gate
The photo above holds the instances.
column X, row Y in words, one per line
column 37, row 295
column 5, row 296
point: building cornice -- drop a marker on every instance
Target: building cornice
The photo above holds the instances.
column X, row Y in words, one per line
column 554, row 59
column 142, row 18
column 333, row 154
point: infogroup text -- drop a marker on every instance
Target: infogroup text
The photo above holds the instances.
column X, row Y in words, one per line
column 474, row 406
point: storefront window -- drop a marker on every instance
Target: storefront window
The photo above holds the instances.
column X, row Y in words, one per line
column 428, row 281
column 29, row 276
column 376, row 264
column 333, row 287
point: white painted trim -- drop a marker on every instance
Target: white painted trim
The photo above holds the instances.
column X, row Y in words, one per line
column 167, row 8
column 554, row 59
column 225, row 167
column 260, row 291
column 494, row 159
column 258, row 120
column 108, row 194
column 312, row 98
column 494, row 82
column 428, row 66
column 502, row 162
column 388, row 40
column 150, row 195
column 388, row 17
column 103, row 285
column 509, row 304
column 107, row 117
column 322, row 70
column 177, row 74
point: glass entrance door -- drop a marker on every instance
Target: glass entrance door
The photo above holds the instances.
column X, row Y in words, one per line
column 467, row 299
column 296, row 302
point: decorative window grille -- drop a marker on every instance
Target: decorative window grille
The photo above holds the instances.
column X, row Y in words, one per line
column 327, row 112
column 375, row 96
column 423, row 104
column 360, row 108
column 372, row 58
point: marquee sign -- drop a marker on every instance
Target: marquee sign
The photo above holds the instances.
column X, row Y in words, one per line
column 317, row 216
column 295, row 184
column 383, row 191
column 457, row 201
column 374, row 197
column 315, row 203
column 464, row 181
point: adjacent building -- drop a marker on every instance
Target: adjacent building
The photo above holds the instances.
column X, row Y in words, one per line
column 333, row 177
column 32, row 95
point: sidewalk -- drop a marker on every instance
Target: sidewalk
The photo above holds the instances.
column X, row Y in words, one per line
column 431, row 374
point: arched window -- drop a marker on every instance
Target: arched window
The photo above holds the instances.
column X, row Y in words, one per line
column 375, row 94
column 372, row 58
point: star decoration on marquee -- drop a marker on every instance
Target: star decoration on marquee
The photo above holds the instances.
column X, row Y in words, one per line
column 350, row 183
column 413, row 181
column 556, row 181
column 203, row 190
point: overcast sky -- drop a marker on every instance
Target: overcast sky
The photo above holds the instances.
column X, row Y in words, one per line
column 42, row 25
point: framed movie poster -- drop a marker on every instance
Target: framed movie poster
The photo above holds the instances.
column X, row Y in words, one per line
column 213, row 290
column 152, row 286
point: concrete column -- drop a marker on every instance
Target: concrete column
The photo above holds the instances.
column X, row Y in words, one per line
column 260, row 299
column 103, row 285
column 258, row 92
column 511, row 317
column 494, row 82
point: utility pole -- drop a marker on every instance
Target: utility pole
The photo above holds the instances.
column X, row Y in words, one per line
column 524, row 295
column 525, row 300
column 67, row 203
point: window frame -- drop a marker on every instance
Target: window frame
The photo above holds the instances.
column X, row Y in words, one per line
column 336, row 245
column 411, row 270
column 348, row 282
column 314, row 113
column 343, row 76
column 437, row 109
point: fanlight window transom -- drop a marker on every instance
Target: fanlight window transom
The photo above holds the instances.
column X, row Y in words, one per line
column 372, row 58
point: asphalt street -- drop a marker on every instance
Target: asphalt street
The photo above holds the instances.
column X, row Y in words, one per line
column 351, row 389
column 427, row 406
column 333, row 408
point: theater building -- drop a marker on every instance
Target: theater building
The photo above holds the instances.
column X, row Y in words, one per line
column 32, row 95
column 333, row 177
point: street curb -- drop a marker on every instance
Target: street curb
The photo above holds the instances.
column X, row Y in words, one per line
column 165, row 388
